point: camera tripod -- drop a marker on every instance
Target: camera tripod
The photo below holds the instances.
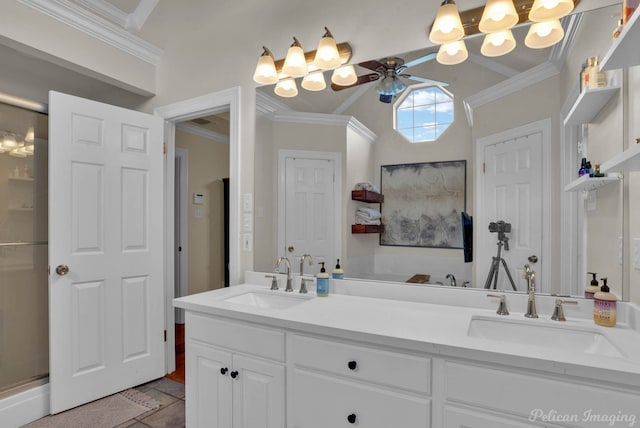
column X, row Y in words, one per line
column 495, row 265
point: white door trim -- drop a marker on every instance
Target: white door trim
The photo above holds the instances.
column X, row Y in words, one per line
column 336, row 157
column 216, row 102
column 182, row 155
column 543, row 126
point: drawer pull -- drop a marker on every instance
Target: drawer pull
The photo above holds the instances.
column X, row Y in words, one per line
column 234, row 374
column 352, row 418
column 224, row 370
column 352, row 365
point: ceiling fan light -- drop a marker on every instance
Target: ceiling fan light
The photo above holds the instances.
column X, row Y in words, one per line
column 390, row 86
column 452, row 53
column 544, row 34
column 327, row 55
column 295, row 64
column 497, row 44
column 10, row 141
column 447, row 27
column 314, row 82
column 30, row 135
column 344, row 76
column 265, row 73
column 498, row 15
column 286, row 88
column 545, row 10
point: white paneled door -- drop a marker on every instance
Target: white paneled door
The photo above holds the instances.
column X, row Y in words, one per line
column 105, row 250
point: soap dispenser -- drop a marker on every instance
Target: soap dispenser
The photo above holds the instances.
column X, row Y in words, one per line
column 592, row 288
column 604, row 306
column 337, row 273
column 322, row 282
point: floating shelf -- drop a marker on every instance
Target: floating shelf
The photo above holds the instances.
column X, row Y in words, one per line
column 625, row 51
column 629, row 160
column 367, row 196
column 367, row 228
column 586, row 183
column 589, row 104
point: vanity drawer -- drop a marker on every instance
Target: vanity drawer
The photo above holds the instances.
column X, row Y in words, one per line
column 358, row 362
column 320, row 401
column 235, row 336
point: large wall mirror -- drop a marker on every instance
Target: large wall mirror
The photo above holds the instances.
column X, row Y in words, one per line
column 512, row 101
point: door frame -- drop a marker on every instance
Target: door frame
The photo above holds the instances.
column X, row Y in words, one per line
column 182, row 156
column 205, row 105
column 336, row 157
column 543, row 126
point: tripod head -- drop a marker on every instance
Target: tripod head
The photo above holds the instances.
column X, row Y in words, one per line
column 502, row 228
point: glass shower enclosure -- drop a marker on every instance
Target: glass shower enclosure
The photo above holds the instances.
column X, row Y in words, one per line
column 24, row 336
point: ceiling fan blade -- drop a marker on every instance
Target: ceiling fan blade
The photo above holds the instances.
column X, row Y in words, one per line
column 420, row 60
column 423, row 80
column 371, row 77
column 371, row 65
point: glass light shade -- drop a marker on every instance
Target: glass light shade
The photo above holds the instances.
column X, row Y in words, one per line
column 286, row 88
column 29, row 136
column 314, row 82
column 265, row 73
column 452, row 53
column 447, row 26
column 344, row 76
column 498, row 15
column 9, row 141
column 3, row 148
column 544, row 34
column 496, row 44
column 390, row 86
column 545, row 10
column 327, row 55
column 18, row 153
column 295, row 64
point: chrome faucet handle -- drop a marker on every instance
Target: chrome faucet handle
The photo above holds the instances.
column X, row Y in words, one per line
column 502, row 306
column 558, row 312
column 303, row 285
column 274, row 282
column 452, row 279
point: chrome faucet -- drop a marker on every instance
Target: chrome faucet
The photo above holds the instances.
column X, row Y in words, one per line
column 452, row 279
column 530, row 276
column 288, row 265
column 302, row 258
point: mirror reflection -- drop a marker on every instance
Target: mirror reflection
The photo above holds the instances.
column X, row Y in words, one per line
column 507, row 123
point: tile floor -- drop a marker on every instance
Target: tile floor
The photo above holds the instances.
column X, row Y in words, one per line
column 170, row 394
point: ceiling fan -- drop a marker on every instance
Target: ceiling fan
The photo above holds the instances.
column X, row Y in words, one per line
column 389, row 70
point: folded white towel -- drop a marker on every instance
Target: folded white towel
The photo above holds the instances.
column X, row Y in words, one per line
column 360, row 220
column 365, row 185
column 368, row 213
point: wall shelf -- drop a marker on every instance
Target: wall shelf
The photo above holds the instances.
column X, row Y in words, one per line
column 367, row 228
column 629, row 160
column 586, row 183
column 589, row 104
column 367, row 196
column 624, row 51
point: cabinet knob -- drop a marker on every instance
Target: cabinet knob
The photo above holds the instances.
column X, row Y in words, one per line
column 352, row 365
column 234, row 374
column 224, row 370
column 352, row 418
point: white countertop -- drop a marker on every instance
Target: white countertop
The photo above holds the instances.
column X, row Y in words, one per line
column 437, row 329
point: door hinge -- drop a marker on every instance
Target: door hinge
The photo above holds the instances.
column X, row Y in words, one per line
column 164, row 148
column 165, row 335
column 484, row 167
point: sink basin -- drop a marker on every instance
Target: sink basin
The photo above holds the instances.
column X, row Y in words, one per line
column 268, row 299
column 552, row 337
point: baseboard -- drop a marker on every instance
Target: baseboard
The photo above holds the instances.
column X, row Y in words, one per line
column 25, row 407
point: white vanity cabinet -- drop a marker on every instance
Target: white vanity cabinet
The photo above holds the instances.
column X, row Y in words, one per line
column 335, row 384
column 234, row 374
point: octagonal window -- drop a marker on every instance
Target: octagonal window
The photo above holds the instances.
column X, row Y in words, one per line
column 423, row 113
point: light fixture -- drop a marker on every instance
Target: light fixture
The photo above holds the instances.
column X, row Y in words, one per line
column 295, row 64
column 496, row 44
column 327, row 55
column 265, row 73
column 390, row 85
column 344, row 76
column 18, row 151
column 452, row 53
column 286, row 88
column 447, row 26
column 9, row 141
column 314, row 81
column 546, row 10
column 544, row 34
column 498, row 15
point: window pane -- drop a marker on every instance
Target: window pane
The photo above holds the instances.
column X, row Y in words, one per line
column 439, row 130
column 442, row 97
column 407, row 133
column 424, row 96
column 404, row 119
column 424, row 133
column 444, row 113
column 408, row 102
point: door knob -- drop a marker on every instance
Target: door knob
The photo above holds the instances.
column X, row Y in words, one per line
column 533, row 258
column 62, row 270
column 290, row 248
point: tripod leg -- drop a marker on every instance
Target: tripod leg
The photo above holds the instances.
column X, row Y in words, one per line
column 504, row 263
column 492, row 271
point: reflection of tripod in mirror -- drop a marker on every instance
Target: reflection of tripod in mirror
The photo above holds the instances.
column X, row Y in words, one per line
column 495, row 263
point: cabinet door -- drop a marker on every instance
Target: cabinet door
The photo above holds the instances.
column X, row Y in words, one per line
column 258, row 394
column 208, row 387
column 465, row 418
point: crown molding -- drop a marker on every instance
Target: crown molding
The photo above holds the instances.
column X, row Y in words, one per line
column 559, row 51
column 269, row 106
column 201, row 132
column 97, row 27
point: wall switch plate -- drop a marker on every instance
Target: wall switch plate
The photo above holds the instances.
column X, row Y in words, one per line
column 636, row 253
column 197, row 213
column 247, row 202
column 247, row 242
column 247, row 222
column 198, row 198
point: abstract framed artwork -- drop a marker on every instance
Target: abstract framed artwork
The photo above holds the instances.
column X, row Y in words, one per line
column 423, row 203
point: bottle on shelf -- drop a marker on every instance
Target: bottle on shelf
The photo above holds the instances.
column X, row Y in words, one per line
column 597, row 78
